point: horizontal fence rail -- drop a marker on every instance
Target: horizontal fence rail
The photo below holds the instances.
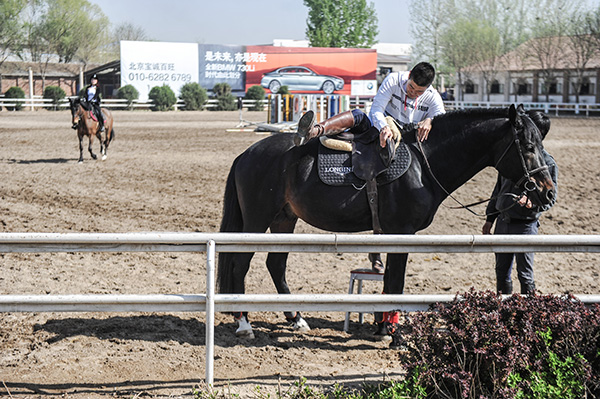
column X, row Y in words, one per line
column 256, row 242
column 551, row 108
column 212, row 243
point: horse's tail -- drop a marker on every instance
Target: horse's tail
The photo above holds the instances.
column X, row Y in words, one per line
column 232, row 222
column 112, row 135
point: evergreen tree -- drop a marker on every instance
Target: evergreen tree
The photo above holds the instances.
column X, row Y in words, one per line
column 341, row 23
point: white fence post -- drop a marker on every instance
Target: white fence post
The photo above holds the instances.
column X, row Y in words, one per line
column 210, row 311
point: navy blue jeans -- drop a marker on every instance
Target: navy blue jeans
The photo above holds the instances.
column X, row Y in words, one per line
column 504, row 261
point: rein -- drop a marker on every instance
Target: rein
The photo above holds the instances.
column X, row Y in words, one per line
column 529, row 185
column 461, row 205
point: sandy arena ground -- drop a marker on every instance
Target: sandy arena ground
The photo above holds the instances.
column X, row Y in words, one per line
column 166, row 172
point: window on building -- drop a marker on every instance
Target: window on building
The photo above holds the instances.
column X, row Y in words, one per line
column 470, row 87
column 496, row 88
column 586, row 87
column 522, row 87
column 550, row 88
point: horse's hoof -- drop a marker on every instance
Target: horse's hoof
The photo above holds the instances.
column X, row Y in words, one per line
column 383, row 338
column 245, row 334
column 301, row 326
column 397, row 343
column 244, row 329
column 80, row 161
column 104, row 157
column 384, row 332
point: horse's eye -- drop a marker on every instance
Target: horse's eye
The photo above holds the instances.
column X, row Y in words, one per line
column 529, row 147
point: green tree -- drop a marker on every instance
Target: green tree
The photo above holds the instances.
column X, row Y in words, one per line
column 226, row 100
column 74, row 28
column 341, row 23
column 55, row 94
column 193, row 95
column 35, row 45
column 15, row 92
column 10, row 26
column 129, row 93
column 163, row 98
column 256, row 93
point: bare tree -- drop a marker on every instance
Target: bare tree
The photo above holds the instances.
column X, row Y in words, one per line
column 584, row 46
column 125, row 31
column 456, row 44
column 429, row 19
column 549, row 30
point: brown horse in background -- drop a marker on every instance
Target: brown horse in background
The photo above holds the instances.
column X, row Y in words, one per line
column 88, row 126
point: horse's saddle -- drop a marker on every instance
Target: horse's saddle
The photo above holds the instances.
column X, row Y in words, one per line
column 356, row 160
column 94, row 111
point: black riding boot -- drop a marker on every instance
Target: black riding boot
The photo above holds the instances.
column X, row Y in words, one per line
column 528, row 288
column 101, row 121
column 307, row 129
column 504, row 287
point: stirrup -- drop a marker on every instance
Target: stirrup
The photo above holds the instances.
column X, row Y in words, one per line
column 304, row 125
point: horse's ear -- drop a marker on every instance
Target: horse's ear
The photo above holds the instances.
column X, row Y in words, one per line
column 520, row 109
column 512, row 114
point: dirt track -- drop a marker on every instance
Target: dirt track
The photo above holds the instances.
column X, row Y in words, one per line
column 166, row 172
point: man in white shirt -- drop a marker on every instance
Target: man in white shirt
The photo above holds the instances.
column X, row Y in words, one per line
column 408, row 97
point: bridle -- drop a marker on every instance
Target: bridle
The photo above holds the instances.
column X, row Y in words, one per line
column 76, row 111
column 526, row 180
column 528, row 186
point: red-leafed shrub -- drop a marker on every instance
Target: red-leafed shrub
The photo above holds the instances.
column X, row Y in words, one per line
column 481, row 346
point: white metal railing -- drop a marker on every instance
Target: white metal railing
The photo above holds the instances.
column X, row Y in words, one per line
column 212, row 243
column 573, row 109
column 112, row 103
column 567, row 109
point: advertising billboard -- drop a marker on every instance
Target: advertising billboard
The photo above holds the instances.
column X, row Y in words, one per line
column 311, row 70
column 145, row 65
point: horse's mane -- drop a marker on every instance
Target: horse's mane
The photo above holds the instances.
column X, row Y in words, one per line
column 462, row 116
column 450, row 124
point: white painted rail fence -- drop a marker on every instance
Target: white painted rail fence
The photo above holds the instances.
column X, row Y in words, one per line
column 212, row 243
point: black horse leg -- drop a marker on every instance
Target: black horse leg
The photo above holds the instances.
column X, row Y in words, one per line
column 80, row 148
column 393, row 283
column 393, row 279
column 241, row 265
column 285, row 222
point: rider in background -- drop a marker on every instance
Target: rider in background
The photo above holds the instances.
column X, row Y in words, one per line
column 92, row 95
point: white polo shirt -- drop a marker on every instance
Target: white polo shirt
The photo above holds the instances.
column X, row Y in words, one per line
column 391, row 99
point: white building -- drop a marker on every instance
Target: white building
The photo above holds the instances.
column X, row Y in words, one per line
column 523, row 75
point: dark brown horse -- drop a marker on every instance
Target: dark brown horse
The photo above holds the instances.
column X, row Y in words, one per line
column 86, row 125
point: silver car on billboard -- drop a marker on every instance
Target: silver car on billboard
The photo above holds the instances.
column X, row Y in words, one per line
column 299, row 78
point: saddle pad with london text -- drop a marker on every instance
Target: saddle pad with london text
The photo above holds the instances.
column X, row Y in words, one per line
column 335, row 167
